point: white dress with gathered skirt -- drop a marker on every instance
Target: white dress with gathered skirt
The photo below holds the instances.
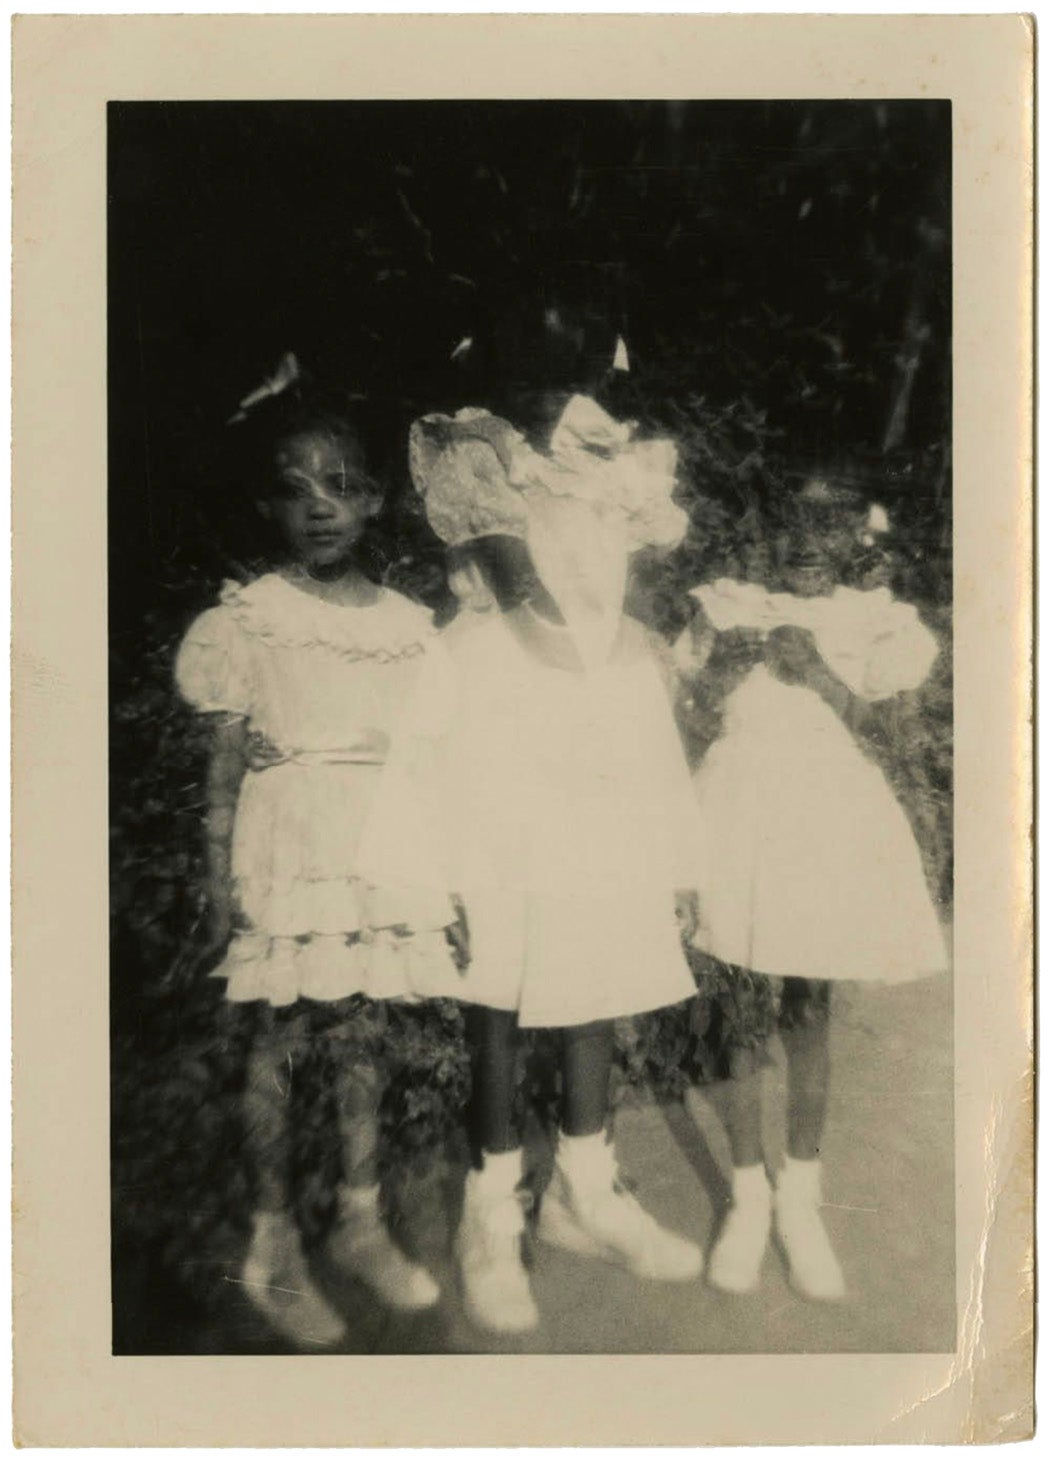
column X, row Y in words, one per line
column 325, row 684
column 814, row 870
column 559, row 808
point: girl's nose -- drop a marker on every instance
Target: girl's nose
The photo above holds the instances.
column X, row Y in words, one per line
column 321, row 505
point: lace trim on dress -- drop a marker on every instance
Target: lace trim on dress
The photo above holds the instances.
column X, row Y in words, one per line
column 282, row 615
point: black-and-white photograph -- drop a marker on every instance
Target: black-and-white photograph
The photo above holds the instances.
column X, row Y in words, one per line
column 531, row 727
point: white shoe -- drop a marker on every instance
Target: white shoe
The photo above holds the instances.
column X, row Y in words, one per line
column 361, row 1246
column 814, row 1269
column 277, row 1281
column 736, row 1259
column 589, row 1212
column 496, row 1289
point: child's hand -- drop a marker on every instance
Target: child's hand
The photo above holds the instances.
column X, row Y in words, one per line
column 740, row 644
column 737, row 651
column 458, row 934
column 261, row 752
column 792, row 656
column 687, row 910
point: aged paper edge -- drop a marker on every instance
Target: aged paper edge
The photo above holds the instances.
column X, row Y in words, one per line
column 69, row 1391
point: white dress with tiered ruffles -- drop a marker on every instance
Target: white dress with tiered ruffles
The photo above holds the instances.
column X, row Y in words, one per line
column 325, row 684
column 813, row 869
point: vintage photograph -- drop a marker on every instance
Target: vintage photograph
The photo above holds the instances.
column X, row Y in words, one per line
column 531, row 727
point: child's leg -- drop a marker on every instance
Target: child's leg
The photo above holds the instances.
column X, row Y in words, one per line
column 804, row 1025
column 495, row 1285
column 733, row 1017
column 275, row 1276
column 361, row 1243
column 266, row 1103
column 586, row 1060
column 586, row 1209
column 492, row 1036
column 359, row 1089
column 743, row 1008
column 742, row 1110
column 815, row 1271
column 736, row 1257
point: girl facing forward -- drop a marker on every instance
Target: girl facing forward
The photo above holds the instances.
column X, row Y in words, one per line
column 817, row 877
column 303, row 674
column 560, row 801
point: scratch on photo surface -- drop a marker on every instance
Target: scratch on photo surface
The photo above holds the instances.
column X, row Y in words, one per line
column 263, row 1286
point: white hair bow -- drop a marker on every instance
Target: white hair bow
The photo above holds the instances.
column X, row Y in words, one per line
column 285, row 375
column 598, row 459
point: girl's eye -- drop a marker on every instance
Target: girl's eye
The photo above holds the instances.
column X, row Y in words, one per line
column 289, row 490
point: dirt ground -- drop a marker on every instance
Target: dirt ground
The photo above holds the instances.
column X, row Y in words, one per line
column 890, row 1210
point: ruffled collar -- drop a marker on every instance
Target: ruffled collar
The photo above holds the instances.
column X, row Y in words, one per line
column 280, row 614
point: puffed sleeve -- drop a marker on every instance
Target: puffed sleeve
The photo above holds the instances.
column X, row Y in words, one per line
column 901, row 655
column 212, row 666
column 878, row 646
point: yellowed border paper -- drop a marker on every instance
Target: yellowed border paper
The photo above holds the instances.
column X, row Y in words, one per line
column 69, row 1389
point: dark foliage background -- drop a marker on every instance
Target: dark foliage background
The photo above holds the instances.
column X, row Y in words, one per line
column 782, row 274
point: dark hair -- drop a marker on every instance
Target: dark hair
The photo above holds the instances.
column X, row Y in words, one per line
column 541, row 341
column 308, row 408
column 505, row 564
column 821, row 523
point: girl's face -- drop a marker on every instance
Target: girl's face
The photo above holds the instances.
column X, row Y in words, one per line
column 821, row 548
column 322, row 499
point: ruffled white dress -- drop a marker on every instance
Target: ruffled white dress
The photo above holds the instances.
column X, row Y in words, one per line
column 814, row 870
column 559, row 809
column 325, row 685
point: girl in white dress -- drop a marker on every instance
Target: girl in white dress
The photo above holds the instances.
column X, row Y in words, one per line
column 815, row 876
column 561, row 811
column 303, row 674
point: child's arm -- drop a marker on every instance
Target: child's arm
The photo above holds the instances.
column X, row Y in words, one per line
column 227, row 764
column 718, row 663
column 718, row 659
column 213, row 673
column 666, row 755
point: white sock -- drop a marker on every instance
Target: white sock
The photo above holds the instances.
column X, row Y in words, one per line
column 803, row 1176
column 750, row 1185
column 586, row 1159
column 501, row 1173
